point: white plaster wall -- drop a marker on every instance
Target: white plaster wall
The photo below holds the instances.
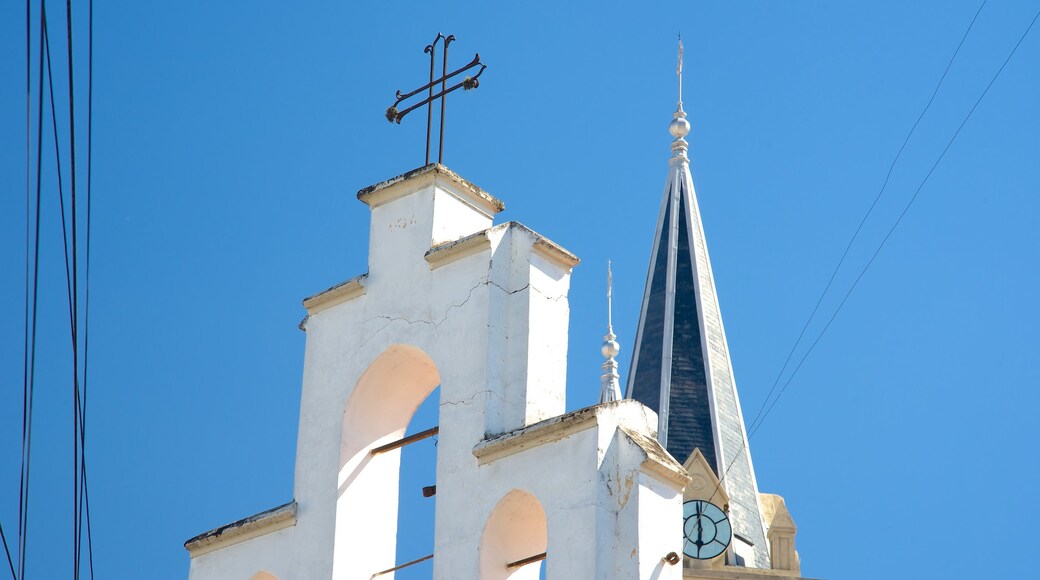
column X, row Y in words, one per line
column 378, row 412
column 451, row 313
column 452, row 215
column 562, row 476
column 494, row 325
column 547, row 362
column 659, row 529
column 327, row 354
column 516, row 530
column 527, row 358
column 441, row 311
column 593, row 492
column 637, row 509
column 244, row 559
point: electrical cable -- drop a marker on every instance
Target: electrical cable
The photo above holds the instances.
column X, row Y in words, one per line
column 30, row 372
column 863, row 221
column 72, row 266
column 7, row 551
column 85, row 495
column 28, row 251
column 75, row 295
column 61, row 191
column 877, row 251
column 902, row 214
column 90, row 538
column 28, row 236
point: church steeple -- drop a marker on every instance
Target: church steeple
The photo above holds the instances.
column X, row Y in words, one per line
column 680, row 364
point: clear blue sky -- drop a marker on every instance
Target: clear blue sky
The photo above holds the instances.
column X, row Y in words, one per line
column 230, row 139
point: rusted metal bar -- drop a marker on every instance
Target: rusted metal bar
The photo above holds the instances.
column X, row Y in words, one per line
column 444, row 93
column 526, row 561
column 432, row 50
column 429, row 491
column 407, row 440
column 402, row 96
column 468, row 83
column 405, row 565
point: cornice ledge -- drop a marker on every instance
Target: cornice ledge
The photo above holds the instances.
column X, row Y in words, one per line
column 337, row 294
column 658, row 463
column 389, row 190
column 498, row 446
column 548, row 248
column 244, row 529
column 739, row 573
column 449, row 252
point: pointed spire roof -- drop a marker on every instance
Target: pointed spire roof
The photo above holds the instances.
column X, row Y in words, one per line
column 681, row 365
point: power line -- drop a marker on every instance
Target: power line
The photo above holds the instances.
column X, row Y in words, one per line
column 7, row 551
column 28, row 235
column 75, row 297
column 902, row 214
column 90, row 538
column 877, row 251
column 85, row 495
column 28, row 251
column 29, row 373
column 61, row 191
column 81, row 501
column 863, row 221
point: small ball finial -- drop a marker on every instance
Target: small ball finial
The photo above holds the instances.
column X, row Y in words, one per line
column 610, row 348
column 679, row 127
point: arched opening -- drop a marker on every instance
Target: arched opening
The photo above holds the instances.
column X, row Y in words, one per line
column 515, row 531
column 263, row 576
column 377, row 413
column 417, row 494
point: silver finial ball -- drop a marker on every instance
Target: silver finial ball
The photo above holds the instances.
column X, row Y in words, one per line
column 611, row 349
column 679, row 127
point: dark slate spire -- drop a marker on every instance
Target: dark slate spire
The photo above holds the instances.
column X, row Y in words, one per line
column 680, row 365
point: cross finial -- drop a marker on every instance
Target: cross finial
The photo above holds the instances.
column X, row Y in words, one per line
column 611, row 389
column 392, row 114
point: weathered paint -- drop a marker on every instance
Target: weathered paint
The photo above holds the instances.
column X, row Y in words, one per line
column 481, row 311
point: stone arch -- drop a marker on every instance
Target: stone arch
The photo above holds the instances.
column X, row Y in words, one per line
column 516, row 529
column 377, row 412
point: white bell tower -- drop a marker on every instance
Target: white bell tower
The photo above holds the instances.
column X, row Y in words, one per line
column 451, row 300
column 481, row 311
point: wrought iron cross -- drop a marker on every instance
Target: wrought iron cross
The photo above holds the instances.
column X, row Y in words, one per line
column 393, row 114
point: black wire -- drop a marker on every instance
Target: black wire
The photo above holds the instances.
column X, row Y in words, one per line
column 23, row 500
column 903, row 213
column 28, row 251
column 61, row 191
column 90, row 539
column 863, row 221
column 86, row 307
column 6, row 550
column 906, row 208
column 75, row 295
column 65, row 246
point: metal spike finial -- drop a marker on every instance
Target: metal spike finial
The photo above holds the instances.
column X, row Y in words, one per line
column 611, row 389
column 679, row 127
column 678, row 70
column 610, row 288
